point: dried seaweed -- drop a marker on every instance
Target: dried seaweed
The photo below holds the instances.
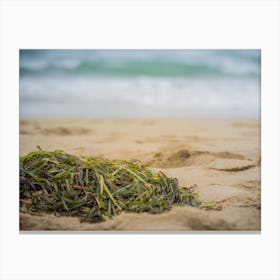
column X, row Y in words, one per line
column 94, row 188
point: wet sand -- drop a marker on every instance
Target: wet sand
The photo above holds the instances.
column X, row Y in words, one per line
column 221, row 157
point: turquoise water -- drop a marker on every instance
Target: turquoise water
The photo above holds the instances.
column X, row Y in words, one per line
column 140, row 83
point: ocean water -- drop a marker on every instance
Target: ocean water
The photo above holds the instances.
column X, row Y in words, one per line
column 140, row 83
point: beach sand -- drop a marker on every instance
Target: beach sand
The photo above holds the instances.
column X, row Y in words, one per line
column 221, row 157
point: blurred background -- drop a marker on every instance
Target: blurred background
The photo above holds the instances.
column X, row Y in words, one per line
column 140, row 83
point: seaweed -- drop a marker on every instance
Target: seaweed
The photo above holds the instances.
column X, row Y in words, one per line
column 94, row 188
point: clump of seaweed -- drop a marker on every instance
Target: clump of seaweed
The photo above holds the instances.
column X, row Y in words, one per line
column 94, row 188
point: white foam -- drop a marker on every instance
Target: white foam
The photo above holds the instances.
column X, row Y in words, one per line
column 202, row 96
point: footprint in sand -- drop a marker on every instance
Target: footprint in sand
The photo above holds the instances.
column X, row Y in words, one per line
column 224, row 161
column 64, row 131
column 232, row 165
